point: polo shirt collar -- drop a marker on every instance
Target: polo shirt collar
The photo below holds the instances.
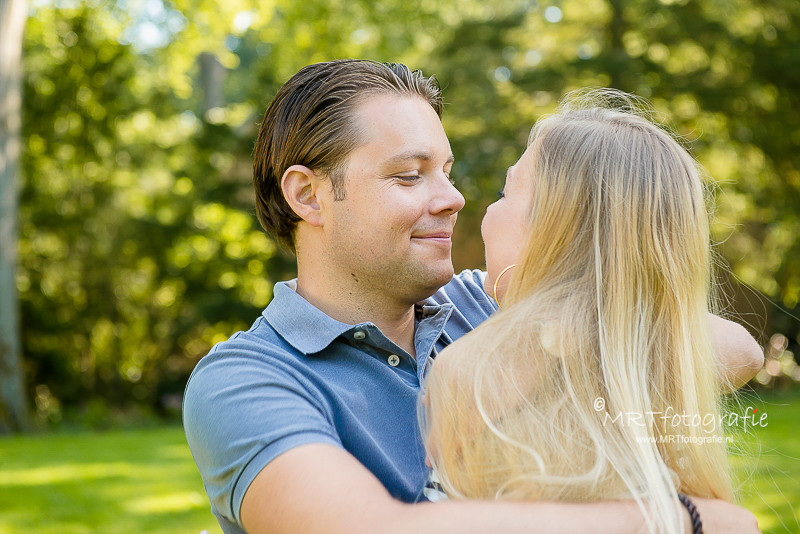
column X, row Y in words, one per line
column 302, row 325
column 309, row 330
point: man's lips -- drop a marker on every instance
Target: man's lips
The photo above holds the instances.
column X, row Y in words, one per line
column 438, row 237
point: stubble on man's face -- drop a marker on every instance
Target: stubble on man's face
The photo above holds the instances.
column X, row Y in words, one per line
column 393, row 230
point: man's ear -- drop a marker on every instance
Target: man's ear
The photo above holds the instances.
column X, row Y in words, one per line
column 300, row 186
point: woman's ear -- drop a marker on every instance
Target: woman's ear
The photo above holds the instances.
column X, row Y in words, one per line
column 300, row 186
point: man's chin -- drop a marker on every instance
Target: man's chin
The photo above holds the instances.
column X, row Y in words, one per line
column 435, row 279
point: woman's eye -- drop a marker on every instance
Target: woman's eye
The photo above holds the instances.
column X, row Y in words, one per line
column 501, row 194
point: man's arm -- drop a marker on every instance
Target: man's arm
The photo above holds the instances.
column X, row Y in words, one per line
column 739, row 356
column 322, row 489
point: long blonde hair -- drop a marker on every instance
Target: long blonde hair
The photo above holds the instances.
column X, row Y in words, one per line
column 570, row 393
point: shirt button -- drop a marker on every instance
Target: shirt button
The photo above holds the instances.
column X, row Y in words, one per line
column 394, row 360
column 359, row 335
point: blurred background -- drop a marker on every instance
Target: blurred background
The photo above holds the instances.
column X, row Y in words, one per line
column 129, row 239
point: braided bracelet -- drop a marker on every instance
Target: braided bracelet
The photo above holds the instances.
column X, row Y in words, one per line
column 694, row 515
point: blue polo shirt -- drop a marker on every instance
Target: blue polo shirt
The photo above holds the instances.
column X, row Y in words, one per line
column 297, row 376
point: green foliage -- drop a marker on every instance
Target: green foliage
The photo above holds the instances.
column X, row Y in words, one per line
column 139, row 248
column 138, row 251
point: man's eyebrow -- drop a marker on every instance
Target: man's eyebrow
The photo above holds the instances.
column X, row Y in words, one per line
column 412, row 155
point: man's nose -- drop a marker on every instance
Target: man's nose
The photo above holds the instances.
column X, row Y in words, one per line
column 447, row 198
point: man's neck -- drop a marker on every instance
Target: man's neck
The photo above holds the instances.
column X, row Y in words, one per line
column 350, row 302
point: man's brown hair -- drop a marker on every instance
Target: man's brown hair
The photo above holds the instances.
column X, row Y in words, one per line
column 311, row 122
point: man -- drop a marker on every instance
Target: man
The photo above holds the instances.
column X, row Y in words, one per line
column 307, row 422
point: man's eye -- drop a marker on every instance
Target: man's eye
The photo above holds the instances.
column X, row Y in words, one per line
column 407, row 177
column 501, row 194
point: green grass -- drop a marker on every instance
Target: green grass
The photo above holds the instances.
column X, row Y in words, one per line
column 768, row 467
column 135, row 481
column 144, row 481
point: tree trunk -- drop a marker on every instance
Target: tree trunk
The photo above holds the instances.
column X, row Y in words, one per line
column 14, row 415
column 616, row 29
column 212, row 79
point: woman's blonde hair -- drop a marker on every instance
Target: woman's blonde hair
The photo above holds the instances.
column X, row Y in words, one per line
column 597, row 380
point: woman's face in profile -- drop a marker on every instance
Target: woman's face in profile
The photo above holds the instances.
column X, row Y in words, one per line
column 505, row 222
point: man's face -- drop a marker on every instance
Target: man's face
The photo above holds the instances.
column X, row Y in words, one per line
column 393, row 230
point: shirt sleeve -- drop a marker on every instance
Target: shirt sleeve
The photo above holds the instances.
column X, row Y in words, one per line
column 241, row 410
column 465, row 291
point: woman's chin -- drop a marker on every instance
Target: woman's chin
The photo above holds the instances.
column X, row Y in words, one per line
column 488, row 285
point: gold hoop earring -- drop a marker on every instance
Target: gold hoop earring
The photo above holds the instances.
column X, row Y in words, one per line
column 497, row 280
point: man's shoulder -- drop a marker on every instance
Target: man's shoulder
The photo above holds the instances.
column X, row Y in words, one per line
column 251, row 398
column 465, row 289
column 471, row 304
column 254, row 350
column 260, row 338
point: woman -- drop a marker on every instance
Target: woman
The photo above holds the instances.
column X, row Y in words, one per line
column 598, row 254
